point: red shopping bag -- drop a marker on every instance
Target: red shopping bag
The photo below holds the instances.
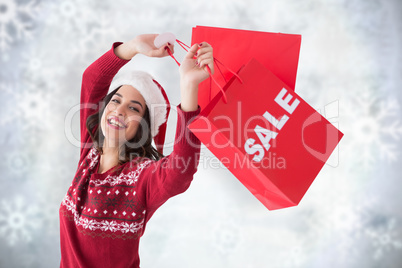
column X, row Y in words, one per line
column 276, row 51
column 267, row 136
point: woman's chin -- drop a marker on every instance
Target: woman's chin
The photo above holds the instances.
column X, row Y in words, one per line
column 114, row 134
column 113, row 141
column 114, row 137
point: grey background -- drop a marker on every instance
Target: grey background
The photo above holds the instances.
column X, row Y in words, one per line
column 349, row 69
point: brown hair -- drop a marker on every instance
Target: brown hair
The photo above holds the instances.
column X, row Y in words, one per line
column 137, row 147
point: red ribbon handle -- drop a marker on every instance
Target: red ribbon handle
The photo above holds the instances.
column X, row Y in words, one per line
column 185, row 47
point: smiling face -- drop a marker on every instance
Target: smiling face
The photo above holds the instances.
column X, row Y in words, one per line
column 122, row 116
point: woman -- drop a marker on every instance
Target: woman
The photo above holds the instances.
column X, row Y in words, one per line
column 121, row 179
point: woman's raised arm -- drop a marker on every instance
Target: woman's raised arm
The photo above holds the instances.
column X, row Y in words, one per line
column 194, row 70
column 143, row 44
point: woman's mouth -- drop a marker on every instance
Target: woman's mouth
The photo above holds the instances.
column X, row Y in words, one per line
column 115, row 123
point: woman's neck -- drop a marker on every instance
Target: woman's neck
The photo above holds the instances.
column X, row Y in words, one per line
column 110, row 150
column 109, row 158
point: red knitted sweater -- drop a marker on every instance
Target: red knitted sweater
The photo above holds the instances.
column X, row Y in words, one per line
column 103, row 216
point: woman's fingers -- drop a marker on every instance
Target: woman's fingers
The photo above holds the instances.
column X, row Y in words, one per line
column 205, row 56
column 204, row 49
column 202, row 54
column 198, row 63
column 163, row 50
column 192, row 52
column 198, row 50
column 160, row 52
column 204, row 60
column 209, row 63
column 170, row 47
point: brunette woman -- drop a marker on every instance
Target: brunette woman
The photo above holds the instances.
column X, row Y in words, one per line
column 121, row 178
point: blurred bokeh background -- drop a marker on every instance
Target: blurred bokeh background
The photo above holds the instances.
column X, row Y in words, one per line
column 350, row 69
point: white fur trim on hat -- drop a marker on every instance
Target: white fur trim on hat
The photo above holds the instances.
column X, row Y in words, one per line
column 151, row 93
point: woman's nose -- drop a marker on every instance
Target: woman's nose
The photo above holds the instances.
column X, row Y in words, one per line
column 119, row 110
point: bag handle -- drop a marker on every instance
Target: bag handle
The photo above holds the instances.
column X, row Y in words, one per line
column 186, row 47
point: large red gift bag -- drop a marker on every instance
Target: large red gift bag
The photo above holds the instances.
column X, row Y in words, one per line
column 267, row 136
column 277, row 51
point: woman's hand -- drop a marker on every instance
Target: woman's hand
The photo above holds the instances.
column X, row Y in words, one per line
column 194, row 70
column 142, row 44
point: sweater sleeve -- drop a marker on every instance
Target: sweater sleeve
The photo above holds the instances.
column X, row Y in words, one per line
column 173, row 174
column 96, row 80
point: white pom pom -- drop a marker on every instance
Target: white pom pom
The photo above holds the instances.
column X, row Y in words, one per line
column 164, row 38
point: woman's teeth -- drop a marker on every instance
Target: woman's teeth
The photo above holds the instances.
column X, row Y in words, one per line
column 115, row 123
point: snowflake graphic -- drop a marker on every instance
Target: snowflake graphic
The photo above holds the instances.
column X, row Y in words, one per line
column 16, row 19
column 13, row 121
column 6, row 91
column 341, row 225
column 18, row 220
column 18, row 163
column 227, row 237
column 40, row 71
column 29, row 115
column 101, row 31
column 34, row 107
column 375, row 128
column 385, row 238
column 31, row 108
column 296, row 256
column 88, row 28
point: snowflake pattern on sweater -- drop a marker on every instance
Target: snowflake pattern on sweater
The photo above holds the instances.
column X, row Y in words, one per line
column 111, row 203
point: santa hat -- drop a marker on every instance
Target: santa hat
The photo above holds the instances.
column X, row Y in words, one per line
column 155, row 98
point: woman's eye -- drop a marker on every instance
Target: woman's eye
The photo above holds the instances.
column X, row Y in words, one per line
column 134, row 109
column 115, row 101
